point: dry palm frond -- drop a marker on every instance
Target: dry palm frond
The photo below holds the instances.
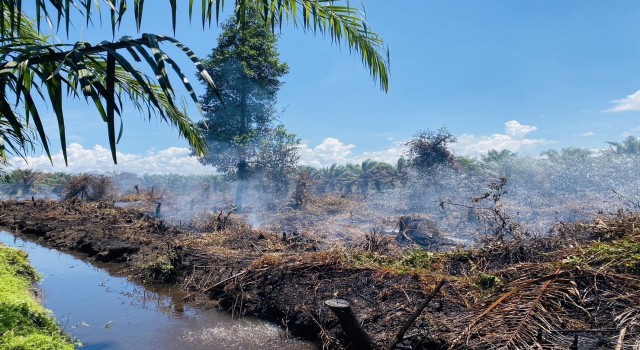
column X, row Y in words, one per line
column 522, row 317
column 629, row 317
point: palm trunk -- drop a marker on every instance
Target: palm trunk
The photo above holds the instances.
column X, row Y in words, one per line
column 364, row 187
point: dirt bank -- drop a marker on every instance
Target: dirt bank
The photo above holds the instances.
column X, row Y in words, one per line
column 579, row 286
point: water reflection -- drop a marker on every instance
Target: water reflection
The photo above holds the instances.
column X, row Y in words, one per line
column 109, row 312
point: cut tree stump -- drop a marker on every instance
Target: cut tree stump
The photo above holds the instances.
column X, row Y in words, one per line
column 350, row 324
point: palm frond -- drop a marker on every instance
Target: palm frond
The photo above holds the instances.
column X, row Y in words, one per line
column 100, row 74
column 340, row 20
column 527, row 316
column 29, row 63
column 340, row 23
column 18, row 144
column 629, row 318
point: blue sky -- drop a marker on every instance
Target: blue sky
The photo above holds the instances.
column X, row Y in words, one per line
column 526, row 75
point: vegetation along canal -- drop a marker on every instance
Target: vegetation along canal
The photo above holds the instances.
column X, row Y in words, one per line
column 108, row 312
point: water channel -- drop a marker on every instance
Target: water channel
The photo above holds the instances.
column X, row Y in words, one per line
column 109, row 312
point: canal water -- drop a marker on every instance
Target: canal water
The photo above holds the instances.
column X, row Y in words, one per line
column 108, row 312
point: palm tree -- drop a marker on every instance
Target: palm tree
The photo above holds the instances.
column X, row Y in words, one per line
column 332, row 177
column 33, row 70
column 499, row 163
column 570, row 155
column 630, row 146
column 385, row 174
column 368, row 172
column 21, row 181
column 493, row 156
column 468, row 164
column 350, row 178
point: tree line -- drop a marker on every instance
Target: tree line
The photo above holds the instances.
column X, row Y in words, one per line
column 428, row 160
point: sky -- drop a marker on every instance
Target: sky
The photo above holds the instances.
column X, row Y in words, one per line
column 527, row 75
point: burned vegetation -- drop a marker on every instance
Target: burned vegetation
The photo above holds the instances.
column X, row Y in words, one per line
column 506, row 252
column 577, row 288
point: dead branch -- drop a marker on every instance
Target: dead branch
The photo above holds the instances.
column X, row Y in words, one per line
column 217, row 285
column 398, row 338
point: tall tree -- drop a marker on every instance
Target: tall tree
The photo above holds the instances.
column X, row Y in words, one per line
column 240, row 113
column 32, row 68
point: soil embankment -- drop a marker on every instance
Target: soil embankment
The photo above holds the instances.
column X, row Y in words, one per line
column 581, row 286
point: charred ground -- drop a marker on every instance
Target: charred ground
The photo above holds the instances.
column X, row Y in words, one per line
column 576, row 287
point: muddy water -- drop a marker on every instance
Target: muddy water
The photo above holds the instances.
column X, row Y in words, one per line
column 104, row 311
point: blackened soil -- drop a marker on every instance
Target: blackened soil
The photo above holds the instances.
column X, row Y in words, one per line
column 246, row 272
column 548, row 292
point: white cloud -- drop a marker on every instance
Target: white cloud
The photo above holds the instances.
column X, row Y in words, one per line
column 389, row 155
column 330, row 151
column 588, row 134
column 516, row 130
column 627, row 104
column 98, row 159
column 514, row 139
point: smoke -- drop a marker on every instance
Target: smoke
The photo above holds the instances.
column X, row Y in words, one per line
column 465, row 202
column 538, row 193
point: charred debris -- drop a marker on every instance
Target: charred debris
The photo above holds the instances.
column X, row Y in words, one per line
column 403, row 283
column 505, row 252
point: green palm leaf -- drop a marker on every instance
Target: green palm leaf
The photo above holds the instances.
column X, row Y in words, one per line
column 28, row 62
column 343, row 23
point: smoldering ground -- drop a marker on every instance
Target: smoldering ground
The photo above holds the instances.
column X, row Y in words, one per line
column 514, row 196
column 340, row 242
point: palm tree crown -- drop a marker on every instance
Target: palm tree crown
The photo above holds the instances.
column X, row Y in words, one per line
column 32, row 68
